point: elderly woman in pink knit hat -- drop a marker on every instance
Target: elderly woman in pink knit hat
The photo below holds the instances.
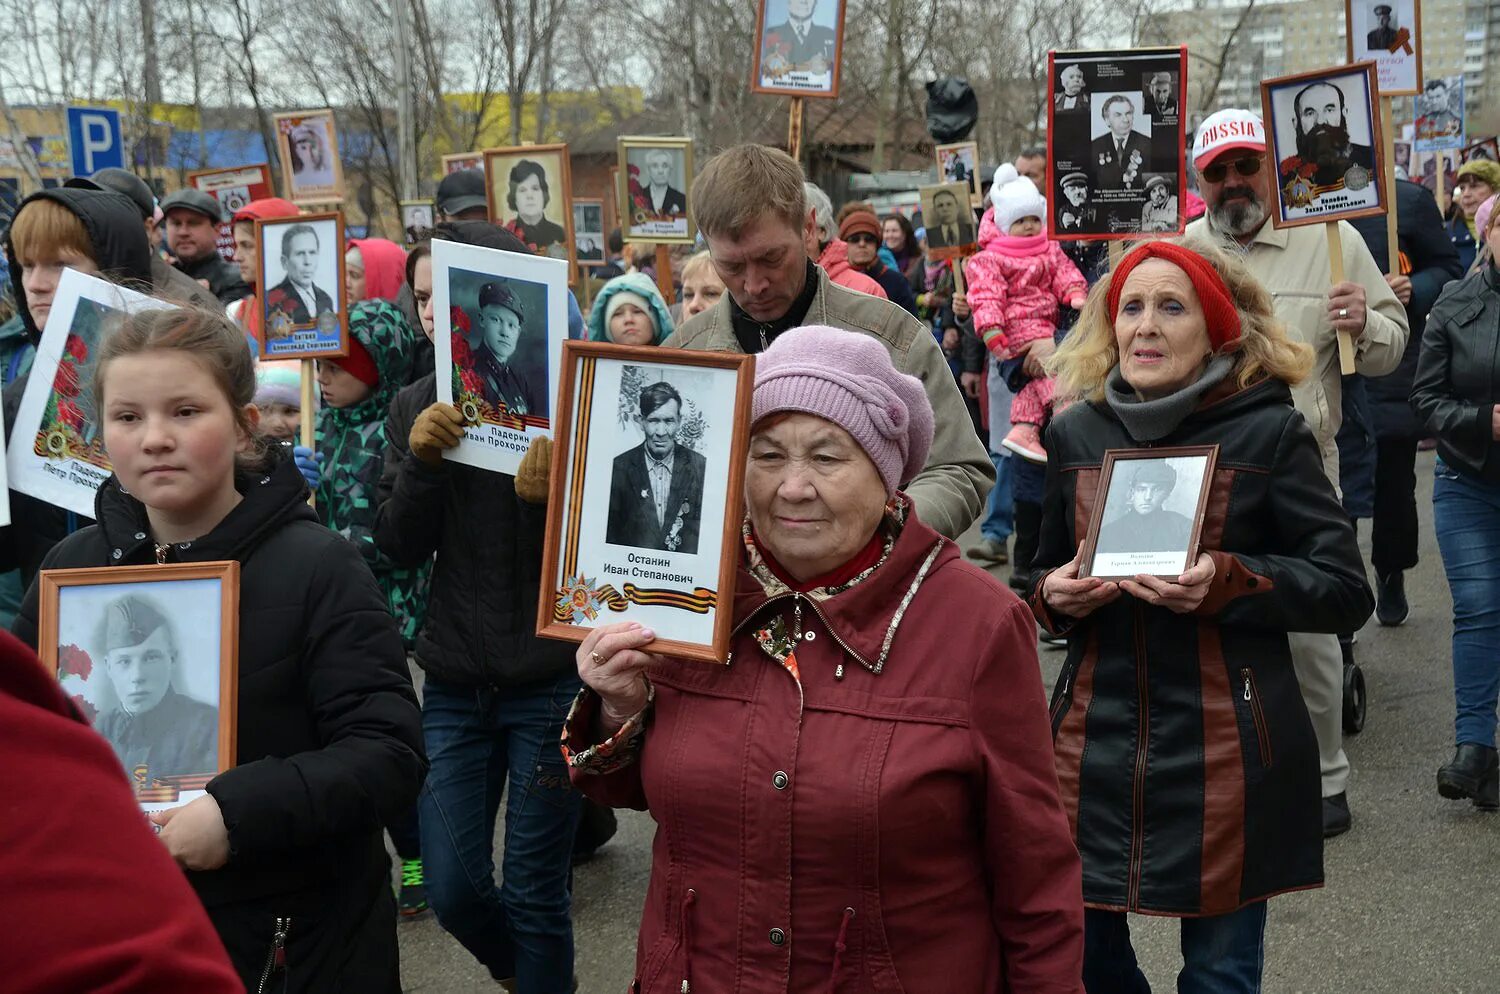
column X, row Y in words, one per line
column 861, row 796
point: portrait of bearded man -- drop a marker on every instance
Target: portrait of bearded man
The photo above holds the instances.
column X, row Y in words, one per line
column 1322, row 121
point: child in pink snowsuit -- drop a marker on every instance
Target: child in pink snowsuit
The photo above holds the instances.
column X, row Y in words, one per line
column 1016, row 284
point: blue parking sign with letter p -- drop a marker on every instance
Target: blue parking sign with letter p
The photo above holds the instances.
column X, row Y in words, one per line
column 94, row 139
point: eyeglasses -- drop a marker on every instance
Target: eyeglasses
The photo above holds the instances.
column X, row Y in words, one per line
column 1248, row 166
column 861, row 237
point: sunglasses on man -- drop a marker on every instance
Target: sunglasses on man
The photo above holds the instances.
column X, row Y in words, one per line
column 861, row 237
column 1248, row 166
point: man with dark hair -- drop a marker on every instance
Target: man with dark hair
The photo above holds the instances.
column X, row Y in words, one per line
column 656, row 492
column 192, row 222
column 751, row 206
column 296, row 302
column 1437, row 117
column 1322, row 123
column 155, row 729
column 1031, row 162
column 1120, row 156
column 1146, row 525
column 950, row 226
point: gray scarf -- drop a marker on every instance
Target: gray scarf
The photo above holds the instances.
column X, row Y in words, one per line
column 1150, row 420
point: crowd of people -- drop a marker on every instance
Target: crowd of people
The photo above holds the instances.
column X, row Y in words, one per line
column 874, row 788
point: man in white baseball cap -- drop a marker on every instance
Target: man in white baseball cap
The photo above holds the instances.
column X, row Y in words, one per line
column 1234, row 177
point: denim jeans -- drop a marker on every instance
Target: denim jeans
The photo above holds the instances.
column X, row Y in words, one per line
column 1466, row 515
column 1221, row 954
column 477, row 739
column 1000, row 512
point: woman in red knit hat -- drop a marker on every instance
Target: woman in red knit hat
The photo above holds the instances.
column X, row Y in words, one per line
column 1185, row 756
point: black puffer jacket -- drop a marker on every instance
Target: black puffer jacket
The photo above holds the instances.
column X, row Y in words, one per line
column 481, row 614
column 1458, row 374
column 1434, row 264
column 1184, row 753
column 329, row 733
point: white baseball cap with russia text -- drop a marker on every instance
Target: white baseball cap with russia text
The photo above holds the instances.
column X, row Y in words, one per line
column 1225, row 131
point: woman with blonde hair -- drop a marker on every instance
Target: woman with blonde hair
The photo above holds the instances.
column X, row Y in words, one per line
column 1185, row 756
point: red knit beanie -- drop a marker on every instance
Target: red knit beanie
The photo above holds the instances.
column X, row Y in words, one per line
column 359, row 364
column 1219, row 312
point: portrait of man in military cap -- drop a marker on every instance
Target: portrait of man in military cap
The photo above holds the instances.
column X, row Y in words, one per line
column 155, row 725
column 1160, row 211
column 499, row 330
column 1383, row 35
column 1150, row 507
column 1075, row 214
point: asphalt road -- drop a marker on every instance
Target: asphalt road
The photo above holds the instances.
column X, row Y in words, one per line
column 1411, row 903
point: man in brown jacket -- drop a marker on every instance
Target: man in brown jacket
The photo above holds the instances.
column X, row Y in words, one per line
column 750, row 205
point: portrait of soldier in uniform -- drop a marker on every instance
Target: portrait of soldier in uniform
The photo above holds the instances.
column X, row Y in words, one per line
column 1144, row 525
column 1119, row 156
column 1075, row 213
column 656, row 489
column 951, row 223
column 155, row 726
column 1383, row 35
column 501, row 323
column 798, row 44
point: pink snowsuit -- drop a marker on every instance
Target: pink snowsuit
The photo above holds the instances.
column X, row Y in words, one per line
column 1016, row 287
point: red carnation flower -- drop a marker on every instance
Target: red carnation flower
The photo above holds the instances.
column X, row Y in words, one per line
column 65, row 384
column 70, row 414
column 462, row 357
column 459, row 318
column 85, row 708
column 73, row 661
column 472, row 383
column 77, row 348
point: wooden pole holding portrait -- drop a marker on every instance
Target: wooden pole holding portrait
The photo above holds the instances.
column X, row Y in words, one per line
column 664, row 274
column 1335, row 184
column 1392, row 243
column 794, row 129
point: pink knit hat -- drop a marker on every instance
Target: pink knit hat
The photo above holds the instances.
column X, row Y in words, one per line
column 847, row 378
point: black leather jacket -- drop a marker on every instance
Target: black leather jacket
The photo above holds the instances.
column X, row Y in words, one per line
column 1458, row 374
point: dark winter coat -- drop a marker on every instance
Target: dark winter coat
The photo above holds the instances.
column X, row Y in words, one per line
column 352, row 442
column 866, row 780
column 223, row 277
column 1458, row 374
column 329, row 738
column 1213, row 802
column 123, row 254
column 481, row 613
column 1431, row 261
column 895, row 284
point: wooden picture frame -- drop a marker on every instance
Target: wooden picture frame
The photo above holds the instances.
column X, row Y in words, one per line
column 323, row 184
column 639, row 219
column 580, row 232
column 417, row 216
column 283, row 335
column 552, row 236
column 1485, row 148
column 459, row 161
column 233, row 188
column 1105, row 502
column 84, row 605
column 1398, row 66
column 1319, row 193
column 1101, row 184
column 954, row 153
column 775, row 67
column 682, row 583
column 939, row 247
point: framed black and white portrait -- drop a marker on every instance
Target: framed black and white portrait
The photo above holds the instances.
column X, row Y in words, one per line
column 655, row 176
column 301, row 292
column 645, row 517
column 1115, row 163
column 1440, row 108
column 1387, row 33
column 1148, row 513
column 1487, row 150
column 799, row 48
column 416, row 219
column 500, row 319
column 1325, row 137
column 530, row 190
column 951, row 230
column 588, row 232
column 149, row 655
column 958, row 162
column 307, row 142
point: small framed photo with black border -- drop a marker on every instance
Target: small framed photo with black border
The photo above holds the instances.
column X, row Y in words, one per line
column 1487, row 150
column 655, row 177
column 800, row 44
column 589, row 237
column 625, row 543
column 149, row 655
column 952, row 232
column 1148, row 512
column 308, row 144
column 958, row 162
column 1324, row 128
column 416, row 219
column 301, row 292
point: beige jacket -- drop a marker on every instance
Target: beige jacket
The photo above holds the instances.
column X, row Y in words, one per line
column 951, row 491
column 1292, row 263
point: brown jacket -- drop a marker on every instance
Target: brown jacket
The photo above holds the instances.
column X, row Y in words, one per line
column 951, row 491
